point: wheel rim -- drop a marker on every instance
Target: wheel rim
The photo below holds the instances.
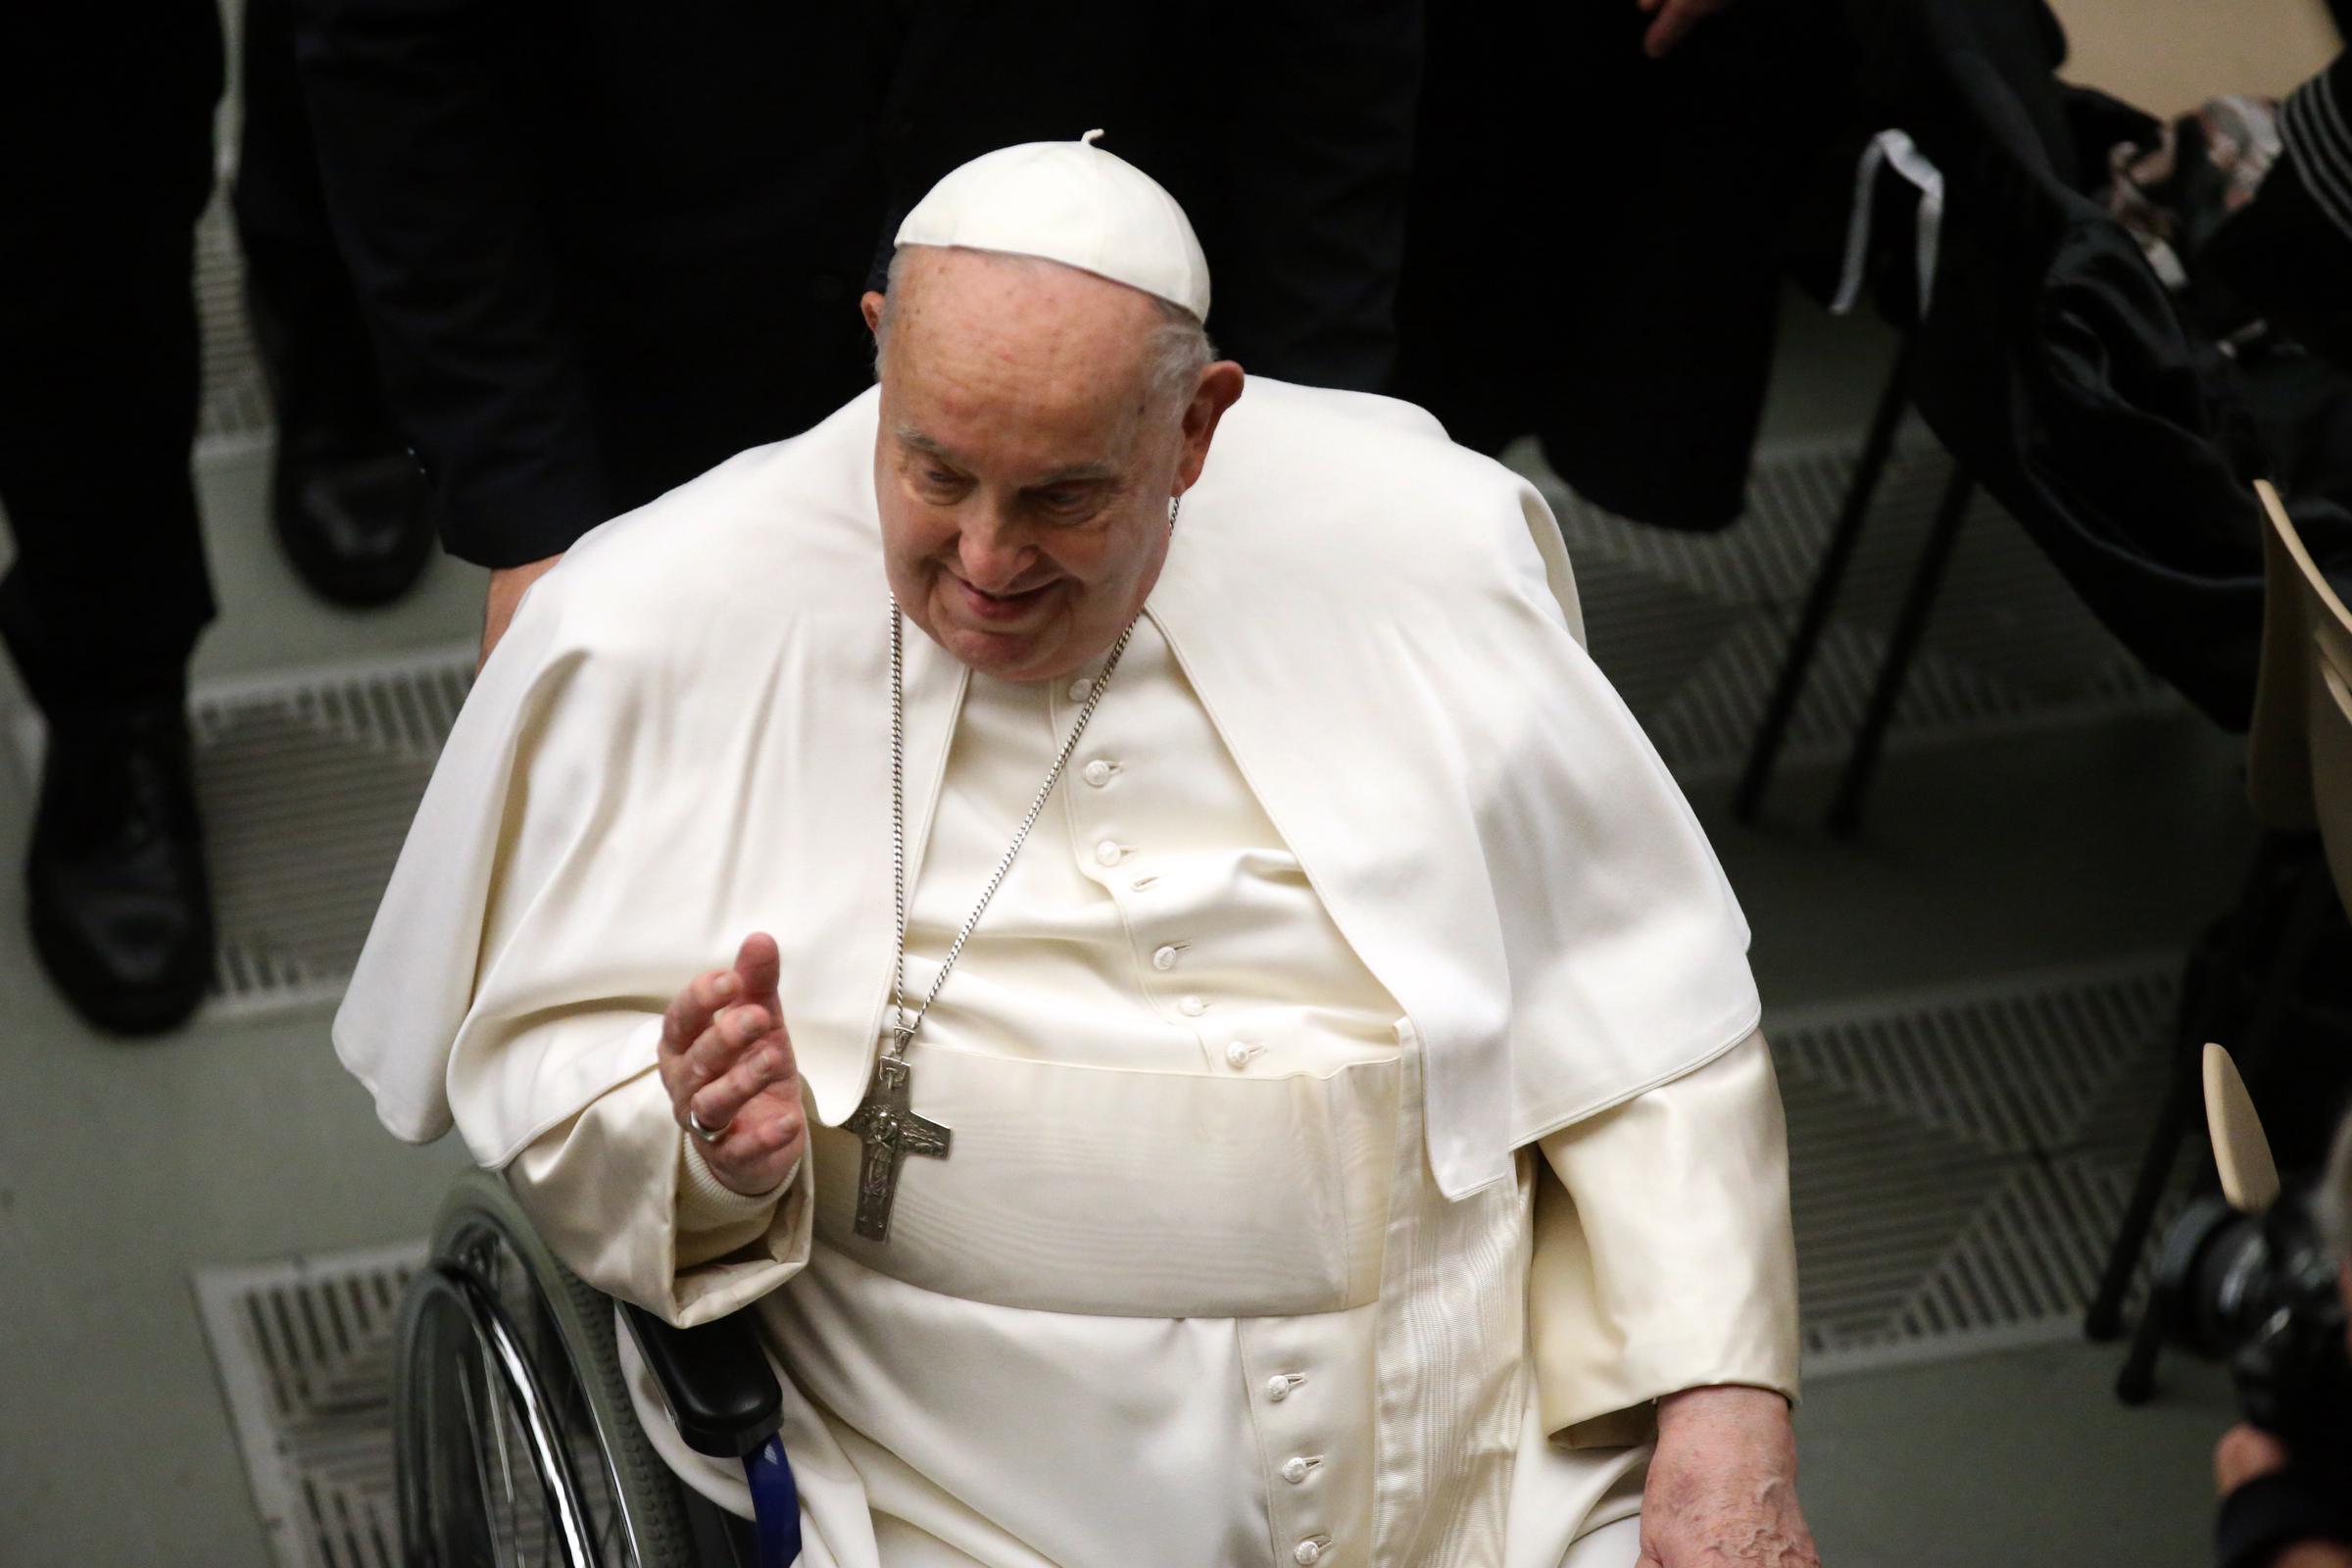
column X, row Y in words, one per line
column 501, row 1464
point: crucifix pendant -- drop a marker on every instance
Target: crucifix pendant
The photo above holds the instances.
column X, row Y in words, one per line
column 888, row 1130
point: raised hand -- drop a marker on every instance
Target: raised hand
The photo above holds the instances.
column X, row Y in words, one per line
column 727, row 1062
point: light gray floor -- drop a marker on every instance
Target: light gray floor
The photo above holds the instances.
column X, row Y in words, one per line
column 125, row 1167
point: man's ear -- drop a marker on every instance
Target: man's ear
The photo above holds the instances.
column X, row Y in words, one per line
column 871, row 306
column 1220, row 389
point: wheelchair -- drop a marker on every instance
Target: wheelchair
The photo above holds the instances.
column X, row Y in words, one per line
column 515, row 1440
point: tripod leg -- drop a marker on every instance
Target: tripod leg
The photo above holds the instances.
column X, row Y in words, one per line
column 1845, row 811
column 2136, row 1384
column 2105, row 1318
column 1747, row 799
column 2313, row 895
column 2205, row 981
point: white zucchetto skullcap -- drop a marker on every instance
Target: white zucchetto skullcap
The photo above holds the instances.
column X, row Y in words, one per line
column 1073, row 203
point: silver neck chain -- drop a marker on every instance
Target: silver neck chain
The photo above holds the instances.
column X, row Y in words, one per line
column 901, row 1032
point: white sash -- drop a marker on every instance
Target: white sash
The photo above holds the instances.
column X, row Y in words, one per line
column 1122, row 1193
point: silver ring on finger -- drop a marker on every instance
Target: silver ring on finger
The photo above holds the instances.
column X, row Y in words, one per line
column 709, row 1134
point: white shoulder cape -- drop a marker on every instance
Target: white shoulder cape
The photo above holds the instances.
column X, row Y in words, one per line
column 685, row 737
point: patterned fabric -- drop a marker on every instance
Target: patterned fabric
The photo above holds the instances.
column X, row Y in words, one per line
column 1449, row 1367
column 2317, row 132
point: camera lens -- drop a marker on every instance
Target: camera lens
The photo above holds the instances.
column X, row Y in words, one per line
column 2210, row 1279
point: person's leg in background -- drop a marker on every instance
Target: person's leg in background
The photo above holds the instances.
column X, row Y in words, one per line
column 346, row 501
column 106, row 126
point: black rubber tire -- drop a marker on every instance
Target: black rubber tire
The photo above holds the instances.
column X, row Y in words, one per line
column 582, row 1317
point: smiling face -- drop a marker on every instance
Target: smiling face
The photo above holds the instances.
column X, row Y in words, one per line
column 1026, row 459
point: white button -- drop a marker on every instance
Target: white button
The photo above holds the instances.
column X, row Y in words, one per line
column 1109, row 854
column 1238, row 1054
column 1309, row 1554
column 1165, row 959
column 1098, row 773
column 1294, row 1469
column 1082, row 688
column 1278, row 1387
column 1192, row 1006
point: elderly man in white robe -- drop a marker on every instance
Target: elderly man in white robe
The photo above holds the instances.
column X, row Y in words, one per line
column 1117, row 918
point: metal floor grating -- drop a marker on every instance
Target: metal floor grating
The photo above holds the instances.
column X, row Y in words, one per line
column 1960, row 1158
column 1958, row 1161
column 304, row 1350
column 307, row 784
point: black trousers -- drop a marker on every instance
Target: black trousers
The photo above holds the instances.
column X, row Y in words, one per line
column 109, row 129
column 107, row 121
column 306, row 319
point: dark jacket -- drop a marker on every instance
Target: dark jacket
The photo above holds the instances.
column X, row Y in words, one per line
column 604, row 245
column 1592, row 251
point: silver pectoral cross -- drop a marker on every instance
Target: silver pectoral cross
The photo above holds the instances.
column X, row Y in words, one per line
column 888, row 1129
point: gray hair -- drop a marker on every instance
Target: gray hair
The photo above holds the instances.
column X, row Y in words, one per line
column 1179, row 350
column 2335, row 1194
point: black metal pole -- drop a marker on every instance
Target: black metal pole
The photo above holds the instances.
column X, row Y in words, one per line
column 1845, row 811
column 1822, row 597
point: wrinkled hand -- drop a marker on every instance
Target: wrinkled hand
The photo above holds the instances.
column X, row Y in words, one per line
column 726, row 1056
column 1722, row 1486
column 2246, row 1452
column 1675, row 19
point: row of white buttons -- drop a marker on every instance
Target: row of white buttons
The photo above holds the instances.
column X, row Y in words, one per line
column 1110, row 852
column 1297, row 1467
column 1238, row 1054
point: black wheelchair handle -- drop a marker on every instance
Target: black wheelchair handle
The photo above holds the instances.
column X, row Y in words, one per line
column 721, row 1388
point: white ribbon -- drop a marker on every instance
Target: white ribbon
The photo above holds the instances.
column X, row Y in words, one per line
column 1892, row 147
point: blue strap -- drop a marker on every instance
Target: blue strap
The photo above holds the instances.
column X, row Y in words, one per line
column 775, row 1505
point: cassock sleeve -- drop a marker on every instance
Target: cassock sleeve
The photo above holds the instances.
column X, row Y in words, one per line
column 628, row 1200
column 1664, row 1258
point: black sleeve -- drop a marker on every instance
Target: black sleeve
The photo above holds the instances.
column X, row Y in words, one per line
column 436, row 196
column 2271, row 1513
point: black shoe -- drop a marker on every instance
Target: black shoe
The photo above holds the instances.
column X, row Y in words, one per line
column 358, row 529
column 121, row 910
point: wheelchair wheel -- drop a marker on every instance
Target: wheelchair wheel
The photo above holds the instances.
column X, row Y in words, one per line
column 515, row 1441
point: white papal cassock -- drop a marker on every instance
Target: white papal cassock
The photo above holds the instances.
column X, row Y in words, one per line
column 1190, row 1290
